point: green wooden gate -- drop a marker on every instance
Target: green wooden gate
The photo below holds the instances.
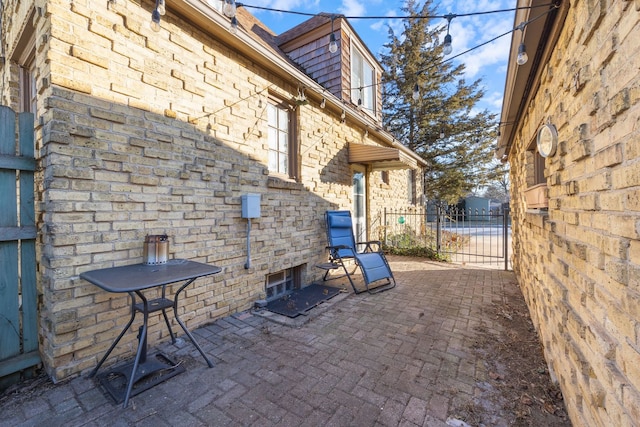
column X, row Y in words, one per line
column 18, row 297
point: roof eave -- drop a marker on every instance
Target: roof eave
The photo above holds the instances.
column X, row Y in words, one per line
column 201, row 14
column 540, row 37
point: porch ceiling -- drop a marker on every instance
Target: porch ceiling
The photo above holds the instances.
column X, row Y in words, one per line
column 380, row 158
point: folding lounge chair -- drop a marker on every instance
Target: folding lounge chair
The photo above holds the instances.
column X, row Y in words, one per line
column 343, row 249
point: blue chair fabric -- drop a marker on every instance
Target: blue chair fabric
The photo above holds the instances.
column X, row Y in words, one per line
column 368, row 256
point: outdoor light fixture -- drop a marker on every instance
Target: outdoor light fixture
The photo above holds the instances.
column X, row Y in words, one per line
column 333, row 45
column 343, row 116
column 323, row 103
column 233, row 28
column 416, row 92
column 229, row 8
column 160, row 5
column 446, row 46
column 522, row 57
column 155, row 20
column 301, row 99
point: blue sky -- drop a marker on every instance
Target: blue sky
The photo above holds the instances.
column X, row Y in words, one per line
column 488, row 62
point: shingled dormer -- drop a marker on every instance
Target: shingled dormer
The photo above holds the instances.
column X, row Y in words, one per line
column 351, row 73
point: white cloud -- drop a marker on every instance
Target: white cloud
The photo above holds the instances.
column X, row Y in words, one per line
column 352, row 8
column 382, row 26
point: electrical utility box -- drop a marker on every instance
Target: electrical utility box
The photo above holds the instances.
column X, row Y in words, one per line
column 250, row 205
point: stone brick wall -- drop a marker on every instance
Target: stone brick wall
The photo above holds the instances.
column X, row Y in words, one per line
column 147, row 133
column 579, row 262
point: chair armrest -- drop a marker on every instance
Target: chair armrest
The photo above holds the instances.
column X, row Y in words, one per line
column 334, row 251
column 369, row 244
column 338, row 247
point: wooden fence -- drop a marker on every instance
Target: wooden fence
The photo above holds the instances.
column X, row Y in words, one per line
column 18, row 294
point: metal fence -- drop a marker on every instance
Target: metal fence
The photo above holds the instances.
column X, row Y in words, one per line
column 468, row 236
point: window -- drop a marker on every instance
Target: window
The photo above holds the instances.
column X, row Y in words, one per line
column 25, row 58
column 535, row 167
column 384, row 177
column 411, row 186
column 282, row 148
column 28, row 85
column 362, row 82
column 536, row 191
column 283, row 282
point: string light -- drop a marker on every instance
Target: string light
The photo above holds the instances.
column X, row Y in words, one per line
column 301, row 99
column 155, row 18
column 448, row 17
column 522, row 57
column 446, row 46
column 292, row 12
column 323, row 103
column 233, row 27
column 333, row 45
column 229, row 8
column 160, row 5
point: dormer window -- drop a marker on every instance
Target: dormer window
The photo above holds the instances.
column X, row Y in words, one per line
column 363, row 79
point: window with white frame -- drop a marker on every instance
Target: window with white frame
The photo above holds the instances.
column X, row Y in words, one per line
column 362, row 81
column 282, row 149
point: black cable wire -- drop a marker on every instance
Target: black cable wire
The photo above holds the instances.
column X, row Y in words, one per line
column 293, row 12
column 448, row 17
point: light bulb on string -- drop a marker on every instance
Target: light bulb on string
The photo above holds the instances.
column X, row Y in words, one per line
column 155, row 20
column 333, row 44
column 229, row 8
column 323, row 103
column 522, row 57
column 233, row 27
column 416, row 92
column 447, row 48
column 161, row 6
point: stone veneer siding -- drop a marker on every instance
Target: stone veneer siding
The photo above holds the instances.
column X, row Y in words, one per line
column 579, row 262
column 146, row 133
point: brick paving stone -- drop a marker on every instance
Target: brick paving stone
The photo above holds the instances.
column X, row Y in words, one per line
column 398, row 358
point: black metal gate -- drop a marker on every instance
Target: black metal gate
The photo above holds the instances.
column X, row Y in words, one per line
column 465, row 236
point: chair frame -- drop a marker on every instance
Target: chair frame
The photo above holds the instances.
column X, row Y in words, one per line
column 341, row 255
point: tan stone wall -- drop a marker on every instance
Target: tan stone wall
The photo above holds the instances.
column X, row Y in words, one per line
column 148, row 133
column 578, row 264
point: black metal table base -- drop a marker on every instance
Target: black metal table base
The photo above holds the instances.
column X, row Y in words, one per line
column 156, row 369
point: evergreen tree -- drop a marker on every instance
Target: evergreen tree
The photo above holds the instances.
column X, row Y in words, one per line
column 498, row 182
column 441, row 125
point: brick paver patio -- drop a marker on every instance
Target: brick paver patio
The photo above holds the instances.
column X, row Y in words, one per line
column 403, row 357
